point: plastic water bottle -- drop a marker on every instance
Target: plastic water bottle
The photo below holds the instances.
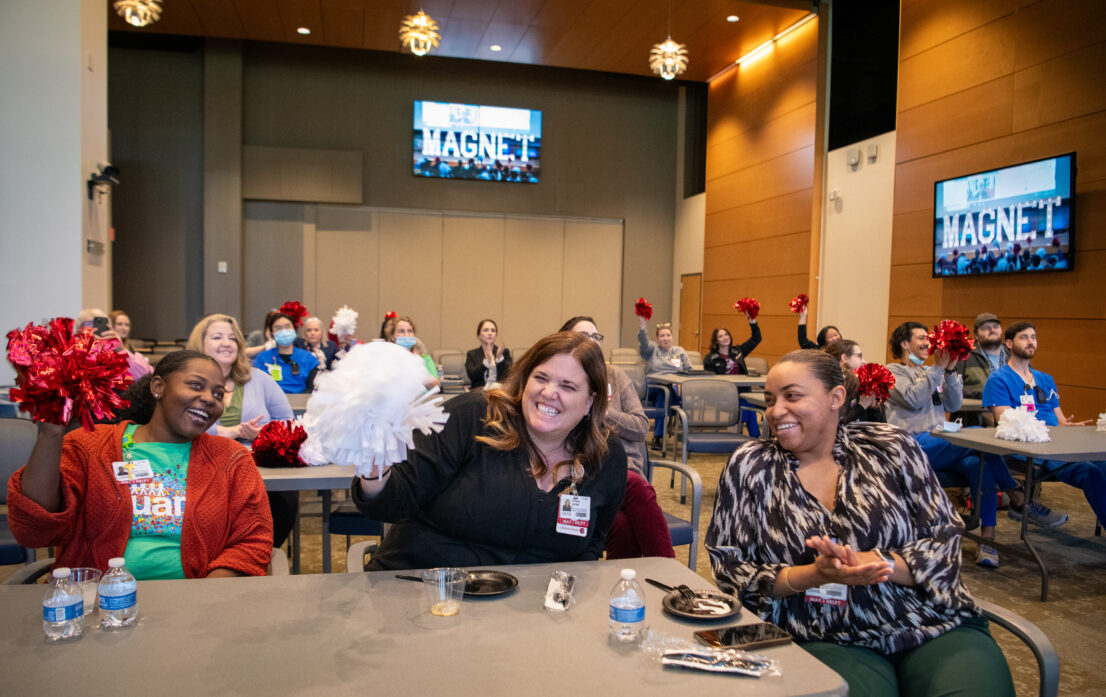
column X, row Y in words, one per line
column 627, row 617
column 62, row 608
column 118, row 596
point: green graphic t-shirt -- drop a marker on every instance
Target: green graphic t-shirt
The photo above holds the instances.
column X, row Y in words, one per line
column 153, row 550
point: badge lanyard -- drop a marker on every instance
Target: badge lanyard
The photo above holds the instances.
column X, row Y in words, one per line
column 130, row 470
column 573, row 511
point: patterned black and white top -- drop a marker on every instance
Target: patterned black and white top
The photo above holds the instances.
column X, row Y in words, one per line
column 887, row 497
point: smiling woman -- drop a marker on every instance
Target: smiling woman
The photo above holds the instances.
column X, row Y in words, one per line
column 198, row 505
column 524, row 474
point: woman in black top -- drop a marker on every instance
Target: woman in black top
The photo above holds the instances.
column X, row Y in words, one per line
column 487, row 363
column 491, row 487
column 857, row 407
column 826, row 335
column 726, row 359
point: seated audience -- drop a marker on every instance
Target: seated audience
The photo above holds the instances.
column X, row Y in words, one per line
column 988, row 356
column 917, row 405
column 662, row 357
column 401, row 330
column 857, row 407
column 1018, row 384
column 121, row 325
column 826, row 335
column 315, row 341
column 842, row 535
column 487, row 363
column 640, row 528
column 97, row 495
column 261, row 339
column 488, row 488
column 251, row 399
column 292, row 368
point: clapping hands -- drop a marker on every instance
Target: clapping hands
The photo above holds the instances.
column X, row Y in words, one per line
column 842, row 564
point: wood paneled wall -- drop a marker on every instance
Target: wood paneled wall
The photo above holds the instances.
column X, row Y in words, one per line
column 762, row 155
column 984, row 84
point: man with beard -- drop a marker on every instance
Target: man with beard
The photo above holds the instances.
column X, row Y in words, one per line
column 1017, row 384
column 988, row 356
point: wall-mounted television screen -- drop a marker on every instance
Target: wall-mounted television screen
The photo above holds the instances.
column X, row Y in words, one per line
column 1017, row 219
column 470, row 141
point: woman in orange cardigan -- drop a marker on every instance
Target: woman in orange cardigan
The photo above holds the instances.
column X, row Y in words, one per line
column 172, row 500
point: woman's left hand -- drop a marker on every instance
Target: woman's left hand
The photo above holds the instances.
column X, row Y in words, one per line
column 248, row 430
column 867, row 401
column 842, row 564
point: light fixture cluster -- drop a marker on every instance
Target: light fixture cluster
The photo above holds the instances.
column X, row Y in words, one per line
column 668, row 59
column 138, row 13
column 419, row 33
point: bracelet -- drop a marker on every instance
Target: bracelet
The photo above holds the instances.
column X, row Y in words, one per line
column 783, row 577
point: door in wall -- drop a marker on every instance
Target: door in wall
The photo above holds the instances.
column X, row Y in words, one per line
column 691, row 293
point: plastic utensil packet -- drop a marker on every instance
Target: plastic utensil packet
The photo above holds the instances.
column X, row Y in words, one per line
column 680, row 653
column 558, row 596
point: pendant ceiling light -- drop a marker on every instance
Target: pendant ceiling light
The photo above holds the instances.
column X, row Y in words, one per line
column 138, row 13
column 419, row 33
column 668, row 59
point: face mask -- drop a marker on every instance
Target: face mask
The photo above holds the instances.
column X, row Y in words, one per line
column 915, row 360
column 407, row 342
column 285, row 337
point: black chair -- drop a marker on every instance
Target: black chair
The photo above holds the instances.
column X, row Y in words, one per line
column 682, row 531
column 17, row 439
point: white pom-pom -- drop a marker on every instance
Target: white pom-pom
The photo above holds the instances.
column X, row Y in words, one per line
column 1101, row 422
column 345, row 322
column 364, row 411
column 1021, row 425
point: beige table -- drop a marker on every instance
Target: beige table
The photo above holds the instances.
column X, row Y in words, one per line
column 1068, row 444
column 329, row 635
column 324, row 479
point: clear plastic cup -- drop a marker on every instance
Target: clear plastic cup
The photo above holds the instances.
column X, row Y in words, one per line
column 88, row 579
column 444, row 589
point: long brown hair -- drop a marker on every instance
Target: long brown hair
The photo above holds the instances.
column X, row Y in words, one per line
column 588, row 439
column 240, row 371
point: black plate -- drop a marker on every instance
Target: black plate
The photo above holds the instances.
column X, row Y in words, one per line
column 708, row 605
column 483, row 582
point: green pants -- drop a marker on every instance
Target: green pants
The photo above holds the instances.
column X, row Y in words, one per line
column 963, row 661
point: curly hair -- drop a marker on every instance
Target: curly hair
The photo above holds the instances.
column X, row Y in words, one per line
column 587, row 441
column 902, row 333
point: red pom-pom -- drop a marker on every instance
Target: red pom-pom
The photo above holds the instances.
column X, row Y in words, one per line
column 295, row 310
column 799, row 303
column 951, row 337
column 643, row 309
column 60, row 375
column 330, row 335
column 749, row 306
column 875, row 380
column 278, row 444
column 390, row 315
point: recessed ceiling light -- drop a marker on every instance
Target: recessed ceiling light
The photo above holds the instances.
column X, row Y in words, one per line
column 496, row 47
column 732, row 18
column 304, row 30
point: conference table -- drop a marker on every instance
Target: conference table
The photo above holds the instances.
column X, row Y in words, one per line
column 1068, row 444
column 323, row 479
column 360, row 633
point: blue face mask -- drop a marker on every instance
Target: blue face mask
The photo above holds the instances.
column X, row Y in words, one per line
column 407, row 342
column 915, row 360
column 285, row 337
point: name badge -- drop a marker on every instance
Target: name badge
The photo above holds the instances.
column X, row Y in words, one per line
column 829, row 594
column 1028, row 403
column 130, row 471
column 275, row 372
column 573, row 515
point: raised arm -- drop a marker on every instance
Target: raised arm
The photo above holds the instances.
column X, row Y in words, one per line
column 754, row 340
column 645, row 346
column 804, row 343
column 910, row 393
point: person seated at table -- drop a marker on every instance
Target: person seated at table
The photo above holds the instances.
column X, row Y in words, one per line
column 640, row 528
column 261, row 339
column 1018, row 384
column 314, row 340
column 401, row 330
column 490, row 487
column 857, row 407
column 987, row 356
column 881, row 601
column 662, row 357
column 725, row 359
column 171, row 499
column 487, row 363
column 293, row 368
column 826, row 335
column 121, row 325
column 917, row 405
column 251, row 399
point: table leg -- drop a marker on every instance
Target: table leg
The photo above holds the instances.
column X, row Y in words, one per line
column 1024, row 531
column 325, row 494
column 296, row 544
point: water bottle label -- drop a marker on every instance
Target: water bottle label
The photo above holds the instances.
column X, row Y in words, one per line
column 118, row 602
column 628, row 614
column 64, row 613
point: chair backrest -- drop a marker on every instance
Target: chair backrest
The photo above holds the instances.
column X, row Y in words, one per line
column 636, row 373
column 453, row 366
column 710, row 403
column 17, row 439
column 696, row 359
column 757, row 364
column 437, row 354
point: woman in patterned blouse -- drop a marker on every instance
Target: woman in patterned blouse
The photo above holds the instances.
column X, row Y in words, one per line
column 842, row 535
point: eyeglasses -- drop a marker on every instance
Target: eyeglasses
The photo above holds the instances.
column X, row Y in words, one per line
column 594, row 337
